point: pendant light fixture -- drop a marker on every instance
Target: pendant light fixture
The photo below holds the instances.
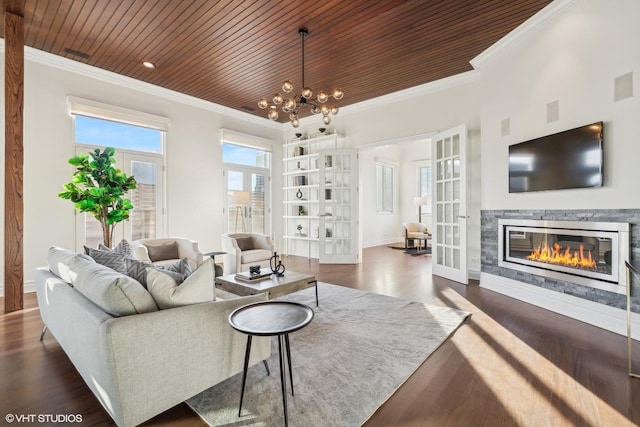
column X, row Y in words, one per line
column 291, row 103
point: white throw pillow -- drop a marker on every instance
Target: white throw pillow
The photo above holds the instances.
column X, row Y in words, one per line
column 198, row 287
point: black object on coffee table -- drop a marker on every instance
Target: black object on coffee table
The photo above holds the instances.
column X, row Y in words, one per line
column 271, row 318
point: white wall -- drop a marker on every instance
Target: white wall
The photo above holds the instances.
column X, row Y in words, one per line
column 572, row 58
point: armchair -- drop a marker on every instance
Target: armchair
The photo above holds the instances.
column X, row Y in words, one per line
column 167, row 250
column 413, row 230
column 245, row 249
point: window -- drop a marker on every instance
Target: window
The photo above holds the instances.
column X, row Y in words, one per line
column 105, row 133
column 139, row 142
column 247, row 169
column 384, row 187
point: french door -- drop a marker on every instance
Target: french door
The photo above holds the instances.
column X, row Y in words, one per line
column 247, row 192
column 449, row 243
column 338, row 207
column 147, row 217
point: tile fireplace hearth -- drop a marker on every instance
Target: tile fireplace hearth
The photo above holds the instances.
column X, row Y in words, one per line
column 587, row 253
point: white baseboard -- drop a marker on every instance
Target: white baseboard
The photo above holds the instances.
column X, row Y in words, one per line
column 29, row 286
column 474, row 274
column 382, row 242
column 593, row 313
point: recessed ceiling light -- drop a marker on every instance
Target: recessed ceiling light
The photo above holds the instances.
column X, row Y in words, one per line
column 149, row 64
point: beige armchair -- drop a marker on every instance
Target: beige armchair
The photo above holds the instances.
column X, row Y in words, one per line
column 167, row 250
column 413, row 230
column 245, row 249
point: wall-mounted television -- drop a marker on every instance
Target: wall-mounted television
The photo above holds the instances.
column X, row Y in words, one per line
column 569, row 159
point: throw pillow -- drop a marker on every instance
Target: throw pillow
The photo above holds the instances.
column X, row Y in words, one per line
column 59, row 260
column 137, row 269
column 123, row 247
column 245, row 243
column 108, row 258
column 163, row 251
column 197, row 288
column 117, row 294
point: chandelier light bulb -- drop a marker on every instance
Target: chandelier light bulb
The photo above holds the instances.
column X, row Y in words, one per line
column 295, row 123
column 273, row 114
column 263, row 103
column 315, row 109
column 293, row 116
column 334, row 110
column 322, row 96
column 326, row 120
column 290, row 104
column 338, row 93
column 277, row 99
column 325, row 110
column 287, row 86
column 306, row 92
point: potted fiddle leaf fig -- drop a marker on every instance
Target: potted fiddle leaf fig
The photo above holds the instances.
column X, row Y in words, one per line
column 98, row 188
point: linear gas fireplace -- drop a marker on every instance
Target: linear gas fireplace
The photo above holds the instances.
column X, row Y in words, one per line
column 582, row 252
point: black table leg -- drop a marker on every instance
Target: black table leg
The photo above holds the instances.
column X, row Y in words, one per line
column 244, row 372
column 286, row 340
column 316, row 283
column 283, row 381
column 266, row 366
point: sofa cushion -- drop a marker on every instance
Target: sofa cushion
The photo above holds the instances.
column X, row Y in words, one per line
column 162, row 251
column 254, row 255
column 245, row 243
column 59, row 259
column 198, row 287
column 178, row 270
column 115, row 293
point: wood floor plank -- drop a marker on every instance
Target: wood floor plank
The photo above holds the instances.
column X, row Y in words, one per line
column 510, row 364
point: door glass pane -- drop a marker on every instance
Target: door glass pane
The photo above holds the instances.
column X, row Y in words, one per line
column 257, row 201
column 447, row 147
column 237, row 202
column 144, row 200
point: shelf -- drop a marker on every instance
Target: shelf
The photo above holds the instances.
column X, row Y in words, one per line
column 307, row 238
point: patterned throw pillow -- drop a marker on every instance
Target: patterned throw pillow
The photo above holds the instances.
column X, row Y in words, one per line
column 123, row 248
column 113, row 258
column 137, row 269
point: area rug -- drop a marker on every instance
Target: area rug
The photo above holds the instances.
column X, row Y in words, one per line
column 358, row 349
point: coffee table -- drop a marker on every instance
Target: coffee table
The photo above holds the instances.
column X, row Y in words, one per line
column 271, row 318
column 275, row 286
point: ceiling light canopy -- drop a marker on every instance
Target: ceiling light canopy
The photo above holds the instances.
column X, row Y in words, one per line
column 291, row 103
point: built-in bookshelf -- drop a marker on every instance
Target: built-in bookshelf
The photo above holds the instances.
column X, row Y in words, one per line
column 320, row 199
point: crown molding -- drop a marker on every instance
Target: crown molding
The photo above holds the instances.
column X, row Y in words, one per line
column 549, row 12
column 414, row 92
column 403, row 95
column 71, row 66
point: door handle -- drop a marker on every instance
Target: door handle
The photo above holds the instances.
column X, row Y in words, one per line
column 463, row 216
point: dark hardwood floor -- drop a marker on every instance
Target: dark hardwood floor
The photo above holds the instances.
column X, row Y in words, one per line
column 510, row 364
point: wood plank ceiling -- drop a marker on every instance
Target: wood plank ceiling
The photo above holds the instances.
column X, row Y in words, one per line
column 234, row 52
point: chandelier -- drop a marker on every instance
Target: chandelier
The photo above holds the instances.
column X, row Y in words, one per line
column 291, row 103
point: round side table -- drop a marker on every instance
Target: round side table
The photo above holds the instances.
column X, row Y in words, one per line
column 271, row 318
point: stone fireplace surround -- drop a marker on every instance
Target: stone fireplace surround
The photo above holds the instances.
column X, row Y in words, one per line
column 489, row 251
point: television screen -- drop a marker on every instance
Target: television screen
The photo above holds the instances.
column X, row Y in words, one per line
column 569, row 159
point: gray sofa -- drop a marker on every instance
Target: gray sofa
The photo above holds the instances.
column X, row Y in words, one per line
column 138, row 365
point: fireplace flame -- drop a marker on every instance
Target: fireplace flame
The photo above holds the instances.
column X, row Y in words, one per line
column 555, row 255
